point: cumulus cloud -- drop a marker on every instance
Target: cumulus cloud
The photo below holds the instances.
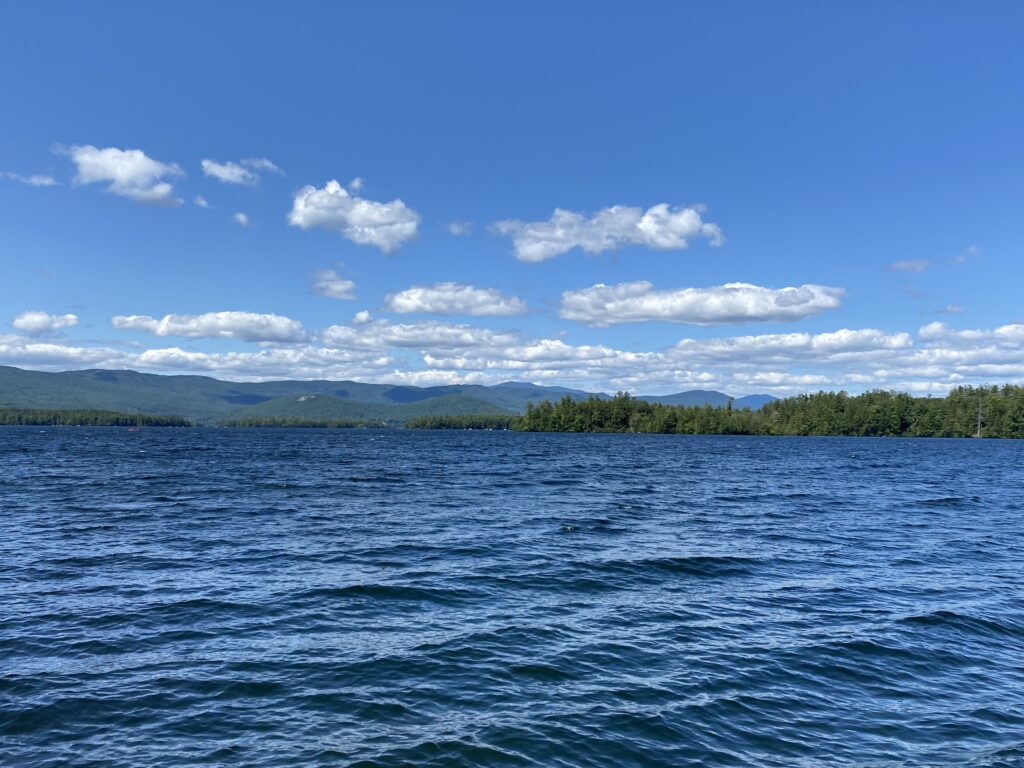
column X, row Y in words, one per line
column 129, row 173
column 909, row 265
column 1012, row 334
column 245, row 326
column 934, row 359
column 35, row 323
column 604, row 305
column 366, row 222
column 35, row 180
column 229, row 173
column 790, row 348
column 431, row 335
column 778, row 363
column 241, row 172
column 262, row 164
column 303, row 362
column 460, row 228
column 659, row 227
column 200, row 201
column 542, row 355
column 241, row 219
column 274, row 362
column 455, row 299
column 48, row 355
column 327, row 282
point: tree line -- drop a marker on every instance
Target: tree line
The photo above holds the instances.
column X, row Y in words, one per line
column 462, row 422
column 964, row 412
column 998, row 410
column 40, row 417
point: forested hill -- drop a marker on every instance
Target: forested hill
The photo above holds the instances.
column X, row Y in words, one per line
column 205, row 400
column 965, row 412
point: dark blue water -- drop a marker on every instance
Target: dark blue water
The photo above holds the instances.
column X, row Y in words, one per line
column 401, row 598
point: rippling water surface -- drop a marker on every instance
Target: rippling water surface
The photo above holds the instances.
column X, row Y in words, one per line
column 393, row 598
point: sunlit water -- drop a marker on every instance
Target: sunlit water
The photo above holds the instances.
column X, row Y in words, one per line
column 392, row 598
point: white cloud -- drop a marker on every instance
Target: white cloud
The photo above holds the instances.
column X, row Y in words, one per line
column 934, row 359
column 431, row 335
column 301, row 361
column 242, row 172
column 327, row 282
column 241, row 218
column 367, row 222
column 129, row 172
column 909, row 265
column 603, row 305
column 938, row 330
column 460, row 228
column 35, row 180
column 659, row 227
column 455, row 299
column 30, row 353
column 262, row 164
column 781, row 363
column 229, row 173
column 791, row 348
column 356, row 184
column 200, row 201
column 304, row 362
column 245, row 326
column 36, row 323
column 1012, row 334
column 524, row 355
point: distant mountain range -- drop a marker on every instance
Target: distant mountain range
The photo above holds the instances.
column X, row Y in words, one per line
column 207, row 400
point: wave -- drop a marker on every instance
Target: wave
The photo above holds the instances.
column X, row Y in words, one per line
column 384, row 592
column 976, row 625
column 948, row 502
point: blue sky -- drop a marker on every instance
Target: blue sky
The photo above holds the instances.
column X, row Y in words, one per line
column 857, row 168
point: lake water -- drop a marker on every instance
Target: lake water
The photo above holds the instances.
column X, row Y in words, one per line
column 401, row 598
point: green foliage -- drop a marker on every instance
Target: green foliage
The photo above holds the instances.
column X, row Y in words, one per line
column 89, row 418
column 878, row 413
column 477, row 421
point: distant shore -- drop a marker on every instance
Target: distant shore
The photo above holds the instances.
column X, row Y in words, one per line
column 996, row 412
column 40, row 417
